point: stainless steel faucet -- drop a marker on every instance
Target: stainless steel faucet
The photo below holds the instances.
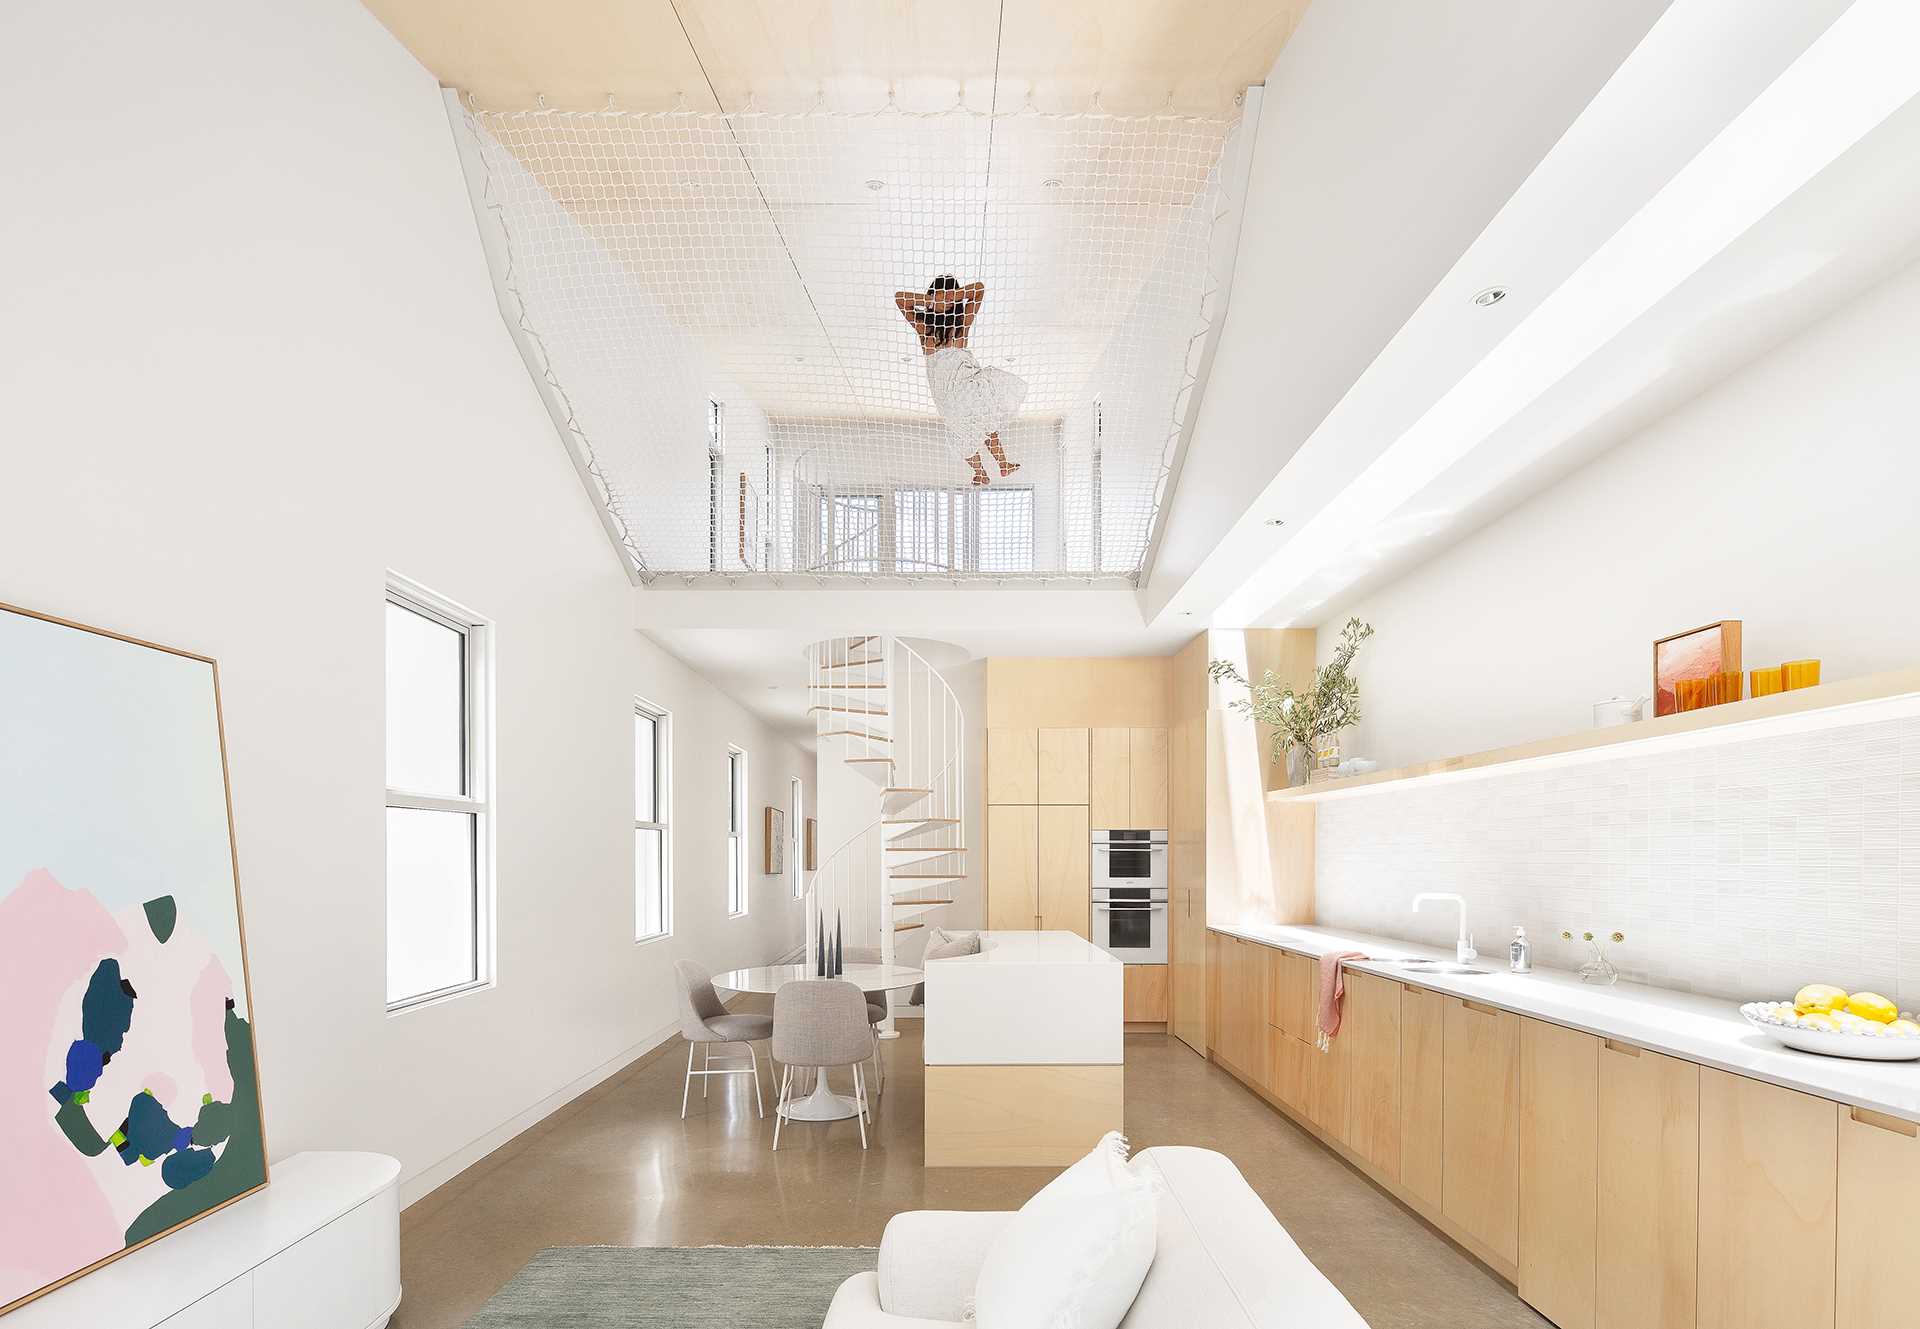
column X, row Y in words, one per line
column 1463, row 946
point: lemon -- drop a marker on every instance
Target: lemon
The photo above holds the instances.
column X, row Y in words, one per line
column 1819, row 1020
column 1819, row 997
column 1873, row 1006
column 1904, row 1029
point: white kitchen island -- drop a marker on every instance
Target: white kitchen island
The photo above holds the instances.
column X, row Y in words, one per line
column 1024, row 1047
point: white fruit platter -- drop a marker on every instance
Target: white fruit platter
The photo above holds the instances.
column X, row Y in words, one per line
column 1768, row 1017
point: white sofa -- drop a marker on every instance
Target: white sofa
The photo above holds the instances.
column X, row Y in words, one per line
column 1222, row 1261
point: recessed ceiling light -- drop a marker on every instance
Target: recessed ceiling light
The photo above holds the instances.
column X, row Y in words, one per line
column 876, row 185
column 1493, row 295
column 1276, row 521
column 1052, row 182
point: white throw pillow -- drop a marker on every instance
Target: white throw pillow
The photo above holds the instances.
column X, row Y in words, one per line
column 1075, row 1255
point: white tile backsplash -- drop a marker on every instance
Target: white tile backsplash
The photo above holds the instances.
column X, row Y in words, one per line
column 1741, row 870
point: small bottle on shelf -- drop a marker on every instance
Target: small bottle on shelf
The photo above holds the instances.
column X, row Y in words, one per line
column 1520, row 952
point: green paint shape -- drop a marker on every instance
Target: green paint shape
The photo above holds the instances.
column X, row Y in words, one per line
column 162, row 914
column 145, row 1161
column 117, row 1139
column 215, row 1124
column 205, row 1099
column 243, row 1163
column 79, row 1131
column 84, row 1096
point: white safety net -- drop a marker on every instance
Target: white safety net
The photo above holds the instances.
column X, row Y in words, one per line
column 713, row 297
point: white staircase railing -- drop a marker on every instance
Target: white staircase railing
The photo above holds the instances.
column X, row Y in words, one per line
column 883, row 710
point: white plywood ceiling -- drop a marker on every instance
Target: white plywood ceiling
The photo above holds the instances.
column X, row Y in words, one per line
column 1193, row 56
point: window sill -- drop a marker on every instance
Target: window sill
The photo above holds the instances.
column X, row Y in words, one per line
column 439, row 998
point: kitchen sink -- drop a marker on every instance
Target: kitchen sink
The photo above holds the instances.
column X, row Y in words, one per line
column 1436, row 967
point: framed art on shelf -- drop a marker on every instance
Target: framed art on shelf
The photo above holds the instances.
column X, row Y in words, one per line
column 1698, row 653
column 774, row 830
column 129, row 1089
column 810, row 859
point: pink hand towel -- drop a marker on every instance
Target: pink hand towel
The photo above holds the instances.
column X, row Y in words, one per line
column 1333, row 990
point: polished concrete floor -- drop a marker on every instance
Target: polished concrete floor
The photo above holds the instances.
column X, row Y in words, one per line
column 619, row 1167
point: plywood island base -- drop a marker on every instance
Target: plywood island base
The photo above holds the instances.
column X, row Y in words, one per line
column 1020, row 1116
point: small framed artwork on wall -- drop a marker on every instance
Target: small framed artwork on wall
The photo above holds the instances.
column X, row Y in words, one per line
column 774, row 828
column 1697, row 653
column 810, row 859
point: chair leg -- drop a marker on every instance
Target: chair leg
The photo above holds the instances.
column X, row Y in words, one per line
column 860, row 1103
column 705, row 1061
column 780, row 1106
column 685, row 1089
column 759, row 1104
column 879, row 1070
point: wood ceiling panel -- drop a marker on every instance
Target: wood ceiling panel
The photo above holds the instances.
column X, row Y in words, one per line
column 506, row 53
column 787, row 54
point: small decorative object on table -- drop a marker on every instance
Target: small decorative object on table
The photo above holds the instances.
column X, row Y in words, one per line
column 1618, row 711
column 1599, row 969
column 1305, row 725
column 1696, row 654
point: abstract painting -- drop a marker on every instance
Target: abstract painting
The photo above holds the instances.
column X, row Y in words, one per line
column 774, row 832
column 1697, row 653
column 129, row 1092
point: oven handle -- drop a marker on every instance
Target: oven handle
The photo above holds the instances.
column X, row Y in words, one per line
column 1100, row 848
column 1130, row 908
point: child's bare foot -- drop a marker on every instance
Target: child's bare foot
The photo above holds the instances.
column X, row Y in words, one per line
column 1008, row 468
column 980, row 476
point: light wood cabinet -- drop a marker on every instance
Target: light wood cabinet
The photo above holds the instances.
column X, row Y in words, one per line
column 1287, row 1069
column 1768, row 1182
column 1013, row 864
column 1422, row 1093
column 1879, row 1278
column 1370, row 1027
column 1646, row 1247
column 1187, row 950
column 1240, row 1024
column 1062, row 869
column 1559, row 1183
column 1327, row 1083
column 1147, row 750
column 1291, row 996
column 1145, row 994
column 1480, row 1124
column 1013, row 766
column 1062, row 766
column 1110, row 779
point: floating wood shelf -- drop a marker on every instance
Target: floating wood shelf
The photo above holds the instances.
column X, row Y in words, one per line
column 1857, row 701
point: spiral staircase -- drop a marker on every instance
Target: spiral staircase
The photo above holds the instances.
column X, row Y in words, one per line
column 880, row 708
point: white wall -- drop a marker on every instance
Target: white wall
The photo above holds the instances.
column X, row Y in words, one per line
column 250, row 362
column 1783, row 496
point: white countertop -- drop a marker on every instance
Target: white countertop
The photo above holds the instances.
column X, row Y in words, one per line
column 1033, row 948
column 1027, row 999
column 1708, row 1030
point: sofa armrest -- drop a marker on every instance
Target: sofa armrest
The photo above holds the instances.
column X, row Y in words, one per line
column 857, row 1306
column 931, row 1258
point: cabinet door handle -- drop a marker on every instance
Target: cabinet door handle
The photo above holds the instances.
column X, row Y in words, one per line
column 1624, row 1049
column 1868, row 1117
column 1476, row 1006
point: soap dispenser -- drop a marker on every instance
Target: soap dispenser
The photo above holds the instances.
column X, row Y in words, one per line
column 1520, row 953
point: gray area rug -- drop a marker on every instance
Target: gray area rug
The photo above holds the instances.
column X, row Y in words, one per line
column 648, row 1287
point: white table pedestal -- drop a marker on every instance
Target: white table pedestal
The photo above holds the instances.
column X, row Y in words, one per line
column 821, row 1105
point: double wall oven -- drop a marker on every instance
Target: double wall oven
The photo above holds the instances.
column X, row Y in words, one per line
column 1128, row 892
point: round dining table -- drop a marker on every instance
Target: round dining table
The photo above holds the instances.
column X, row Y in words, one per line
column 822, row 1104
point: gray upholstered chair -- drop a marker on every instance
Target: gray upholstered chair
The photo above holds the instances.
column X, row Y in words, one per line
column 820, row 1023
column 943, row 946
column 704, row 1021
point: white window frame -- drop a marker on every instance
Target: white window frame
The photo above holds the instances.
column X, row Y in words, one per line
column 739, row 887
column 796, row 834
column 477, row 682
column 663, row 811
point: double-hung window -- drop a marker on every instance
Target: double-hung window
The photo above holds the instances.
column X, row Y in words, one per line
column 736, row 832
column 652, row 854
column 439, row 897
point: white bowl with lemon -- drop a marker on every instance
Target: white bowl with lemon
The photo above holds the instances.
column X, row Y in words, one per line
column 1836, row 1023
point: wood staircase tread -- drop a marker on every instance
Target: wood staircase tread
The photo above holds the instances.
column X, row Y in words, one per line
column 874, row 761
column 846, row 710
column 920, row 821
column 914, row 904
column 907, row 927
column 903, row 789
column 855, row 733
column 847, row 687
column 924, row 876
column 930, row 850
column 853, row 664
